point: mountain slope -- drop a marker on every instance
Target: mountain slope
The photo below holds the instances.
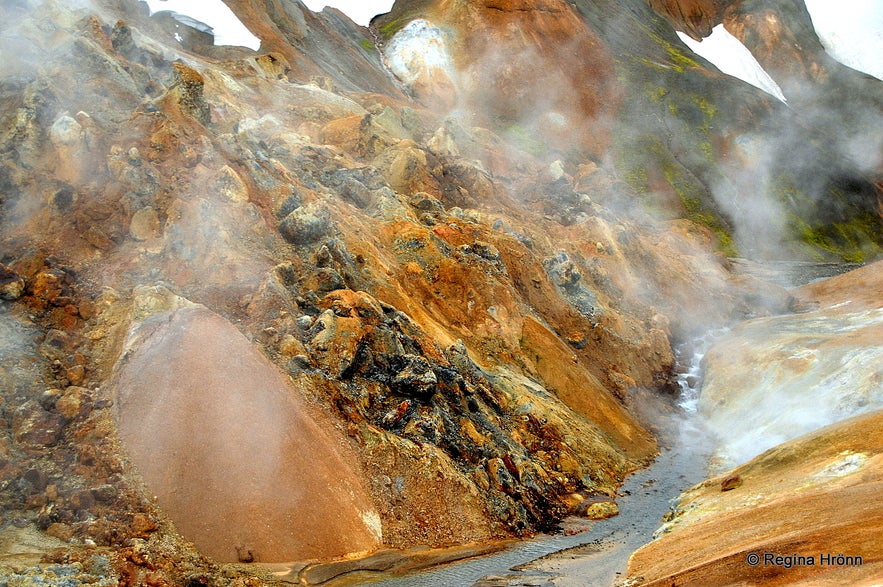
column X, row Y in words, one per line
column 473, row 302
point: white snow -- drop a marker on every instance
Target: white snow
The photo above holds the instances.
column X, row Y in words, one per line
column 851, row 32
column 360, row 11
column 226, row 27
column 733, row 58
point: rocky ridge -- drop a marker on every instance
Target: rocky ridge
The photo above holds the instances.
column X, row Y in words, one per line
column 471, row 309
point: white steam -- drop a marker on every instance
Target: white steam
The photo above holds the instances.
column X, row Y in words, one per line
column 417, row 50
column 807, row 371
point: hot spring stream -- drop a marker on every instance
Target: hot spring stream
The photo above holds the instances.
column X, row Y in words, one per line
column 599, row 555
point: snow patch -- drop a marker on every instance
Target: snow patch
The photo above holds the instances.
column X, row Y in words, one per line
column 851, row 31
column 360, row 11
column 220, row 20
column 733, row 58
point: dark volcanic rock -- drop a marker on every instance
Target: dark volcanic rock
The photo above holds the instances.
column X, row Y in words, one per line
column 305, row 225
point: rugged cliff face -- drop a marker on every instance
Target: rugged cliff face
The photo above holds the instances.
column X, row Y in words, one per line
column 795, row 163
column 450, row 271
column 513, row 66
column 693, row 17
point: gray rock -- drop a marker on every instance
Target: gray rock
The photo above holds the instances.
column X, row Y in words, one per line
column 417, row 377
column 305, row 225
column 427, row 203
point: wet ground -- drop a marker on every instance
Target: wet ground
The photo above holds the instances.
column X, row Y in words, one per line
column 791, row 273
column 598, row 555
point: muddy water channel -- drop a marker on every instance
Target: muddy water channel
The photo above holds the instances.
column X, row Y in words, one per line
column 596, row 556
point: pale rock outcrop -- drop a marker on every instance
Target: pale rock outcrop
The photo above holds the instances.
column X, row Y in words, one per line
column 418, row 55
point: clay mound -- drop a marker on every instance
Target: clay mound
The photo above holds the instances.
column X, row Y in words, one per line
column 859, row 288
column 230, row 450
column 819, row 497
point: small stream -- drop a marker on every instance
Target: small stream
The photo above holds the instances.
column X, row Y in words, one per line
column 598, row 555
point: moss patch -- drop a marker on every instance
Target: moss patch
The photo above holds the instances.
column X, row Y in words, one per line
column 389, row 29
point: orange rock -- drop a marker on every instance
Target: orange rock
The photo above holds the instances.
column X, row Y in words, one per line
column 820, row 495
column 694, row 17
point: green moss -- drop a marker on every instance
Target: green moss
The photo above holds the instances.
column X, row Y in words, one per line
column 705, row 105
column 636, row 178
column 655, row 92
column 681, row 60
column 388, row 30
column 707, row 109
column 525, row 140
column 367, row 44
column 677, row 60
column 853, row 241
column 693, row 198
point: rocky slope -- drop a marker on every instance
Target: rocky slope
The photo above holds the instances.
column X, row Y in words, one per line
column 276, row 278
column 799, row 169
column 769, row 180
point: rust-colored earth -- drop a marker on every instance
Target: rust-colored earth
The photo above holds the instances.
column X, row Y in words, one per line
column 239, row 461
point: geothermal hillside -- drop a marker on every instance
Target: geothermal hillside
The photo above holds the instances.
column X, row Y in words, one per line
column 361, row 290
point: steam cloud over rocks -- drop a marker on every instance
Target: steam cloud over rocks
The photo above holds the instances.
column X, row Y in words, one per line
column 352, row 289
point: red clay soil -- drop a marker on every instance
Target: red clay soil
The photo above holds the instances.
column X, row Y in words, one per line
column 231, row 451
